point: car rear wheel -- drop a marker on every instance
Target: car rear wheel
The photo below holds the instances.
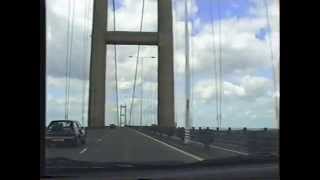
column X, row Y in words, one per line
column 83, row 141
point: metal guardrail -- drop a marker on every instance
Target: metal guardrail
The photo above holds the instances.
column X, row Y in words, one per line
column 251, row 140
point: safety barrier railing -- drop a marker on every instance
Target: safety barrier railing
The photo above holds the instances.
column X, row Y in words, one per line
column 251, row 140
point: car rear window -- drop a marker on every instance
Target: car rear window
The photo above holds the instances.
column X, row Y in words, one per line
column 60, row 126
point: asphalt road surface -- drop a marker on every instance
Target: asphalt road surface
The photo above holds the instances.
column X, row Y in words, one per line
column 121, row 145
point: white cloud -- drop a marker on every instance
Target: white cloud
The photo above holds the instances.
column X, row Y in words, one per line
column 206, row 91
column 249, row 88
column 57, row 86
column 56, row 109
column 230, row 89
column 256, row 86
column 241, row 50
column 150, row 86
column 57, row 22
column 124, row 85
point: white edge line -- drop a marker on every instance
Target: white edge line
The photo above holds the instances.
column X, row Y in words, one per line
column 84, row 150
column 172, row 147
column 238, row 152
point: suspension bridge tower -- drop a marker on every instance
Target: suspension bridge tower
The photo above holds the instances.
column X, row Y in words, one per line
column 101, row 37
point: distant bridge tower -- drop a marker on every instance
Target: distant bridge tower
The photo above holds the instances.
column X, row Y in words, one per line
column 123, row 114
column 101, row 37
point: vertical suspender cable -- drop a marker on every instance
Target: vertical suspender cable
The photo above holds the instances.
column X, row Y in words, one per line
column 174, row 40
column 215, row 62
column 70, row 57
column 272, row 61
column 68, row 65
column 92, row 73
column 115, row 62
column 220, row 66
column 88, row 51
column 67, row 62
column 135, row 74
column 192, row 114
column 85, row 7
column 85, row 33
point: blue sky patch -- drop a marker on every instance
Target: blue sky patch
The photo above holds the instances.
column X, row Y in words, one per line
column 233, row 8
column 208, row 9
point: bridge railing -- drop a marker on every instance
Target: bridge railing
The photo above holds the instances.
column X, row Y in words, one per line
column 248, row 140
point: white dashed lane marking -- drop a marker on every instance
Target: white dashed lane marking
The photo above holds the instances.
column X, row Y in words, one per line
column 84, row 150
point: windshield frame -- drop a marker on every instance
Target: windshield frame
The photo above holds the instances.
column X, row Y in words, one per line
column 42, row 86
column 43, row 91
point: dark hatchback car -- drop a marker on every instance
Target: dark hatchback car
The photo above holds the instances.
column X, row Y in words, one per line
column 65, row 132
column 112, row 126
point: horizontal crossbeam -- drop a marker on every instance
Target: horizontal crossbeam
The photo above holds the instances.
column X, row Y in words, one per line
column 131, row 38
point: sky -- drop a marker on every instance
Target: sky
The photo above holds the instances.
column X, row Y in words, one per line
column 246, row 47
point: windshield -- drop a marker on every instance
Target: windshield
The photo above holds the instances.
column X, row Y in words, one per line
column 161, row 82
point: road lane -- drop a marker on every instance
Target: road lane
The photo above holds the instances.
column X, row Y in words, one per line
column 126, row 145
column 68, row 151
column 119, row 145
column 172, row 147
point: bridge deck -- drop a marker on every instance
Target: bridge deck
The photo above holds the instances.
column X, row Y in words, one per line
column 121, row 145
column 129, row 145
